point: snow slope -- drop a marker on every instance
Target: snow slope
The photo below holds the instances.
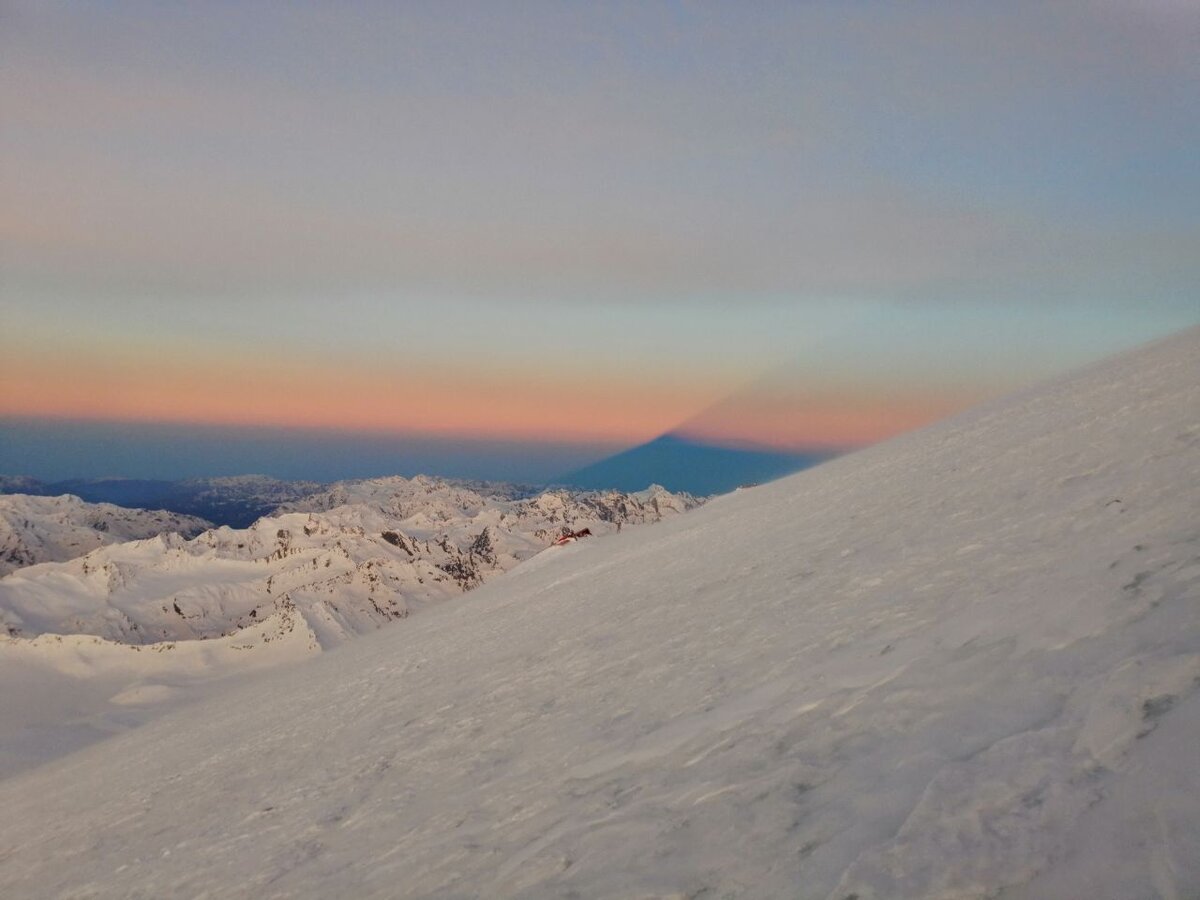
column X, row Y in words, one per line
column 963, row 663
column 50, row 529
column 62, row 692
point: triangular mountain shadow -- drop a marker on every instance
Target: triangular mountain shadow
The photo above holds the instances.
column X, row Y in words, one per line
column 682, row 464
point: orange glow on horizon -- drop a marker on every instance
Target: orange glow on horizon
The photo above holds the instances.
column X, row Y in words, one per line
column 453, row 401
column 512, row 406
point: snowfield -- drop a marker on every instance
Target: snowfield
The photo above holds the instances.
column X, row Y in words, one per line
column 963, row 663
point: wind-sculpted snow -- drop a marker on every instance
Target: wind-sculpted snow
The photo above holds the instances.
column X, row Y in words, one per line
column 51, row 529
column 961, row 664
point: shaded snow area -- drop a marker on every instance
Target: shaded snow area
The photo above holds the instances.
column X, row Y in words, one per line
column 339, row 564
column 963, row 663
column 51, row 529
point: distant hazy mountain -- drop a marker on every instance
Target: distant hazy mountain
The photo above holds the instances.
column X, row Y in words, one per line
column 53, row 529
column 20, row 484
column 681, row 464
column 235, row 501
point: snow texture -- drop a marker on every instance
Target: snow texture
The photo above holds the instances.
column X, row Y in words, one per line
column 960, row 664
column 50, row 529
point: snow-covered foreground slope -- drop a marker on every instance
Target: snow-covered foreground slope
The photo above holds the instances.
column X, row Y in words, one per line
column 959, row 664
column 51, row 529
column 62, row 692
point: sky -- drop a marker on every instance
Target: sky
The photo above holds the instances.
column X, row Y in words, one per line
column 562, row 225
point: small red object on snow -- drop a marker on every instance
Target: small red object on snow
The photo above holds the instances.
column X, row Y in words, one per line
column 569, row 536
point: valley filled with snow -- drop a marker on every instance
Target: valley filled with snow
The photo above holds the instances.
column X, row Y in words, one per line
column 961, row 663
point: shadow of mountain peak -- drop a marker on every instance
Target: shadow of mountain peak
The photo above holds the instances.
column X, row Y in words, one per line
column 681, row 463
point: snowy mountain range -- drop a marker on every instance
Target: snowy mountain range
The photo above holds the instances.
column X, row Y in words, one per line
column 341, row 562
column 51, row 529
column 960, row 664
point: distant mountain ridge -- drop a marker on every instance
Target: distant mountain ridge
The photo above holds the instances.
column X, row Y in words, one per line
column 54, row 529
column 673, row 461
column 680, row 463
column 235, row 500
column 336, row 563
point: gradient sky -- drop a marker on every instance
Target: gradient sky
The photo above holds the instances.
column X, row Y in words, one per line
column 795, row 224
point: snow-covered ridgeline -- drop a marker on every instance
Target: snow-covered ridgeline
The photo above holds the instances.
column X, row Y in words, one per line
column 52, row 529
column 429, row 503
column 347, row 561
